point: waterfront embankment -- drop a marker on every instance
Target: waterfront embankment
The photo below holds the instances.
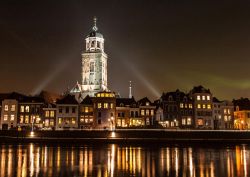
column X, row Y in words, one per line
column 126, row 136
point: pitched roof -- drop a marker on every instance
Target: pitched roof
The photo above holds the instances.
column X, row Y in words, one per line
column 176, row 96
column 67, row 99
column 87, row 100
column 125, row 101
column 199, row 89
column 143, row 101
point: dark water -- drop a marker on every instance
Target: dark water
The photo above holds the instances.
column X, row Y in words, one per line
column 124, row 160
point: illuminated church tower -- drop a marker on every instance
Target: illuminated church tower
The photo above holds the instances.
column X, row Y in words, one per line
column 94, row 66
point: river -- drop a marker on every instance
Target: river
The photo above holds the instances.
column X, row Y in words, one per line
column 154, row 160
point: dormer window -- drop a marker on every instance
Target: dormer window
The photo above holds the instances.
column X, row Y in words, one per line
column 147, row 103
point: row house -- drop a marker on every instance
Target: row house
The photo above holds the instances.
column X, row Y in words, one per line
column 176, row 110
column 203, row 106
column 86, row 113
column 67, row 113
column 49, row 117
column 104, row 110
column 146, row 111
column 223, row 114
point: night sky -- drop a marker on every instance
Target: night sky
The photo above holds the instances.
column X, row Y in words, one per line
column 158, row 45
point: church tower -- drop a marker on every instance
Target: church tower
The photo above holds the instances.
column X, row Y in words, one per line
column 94, row 64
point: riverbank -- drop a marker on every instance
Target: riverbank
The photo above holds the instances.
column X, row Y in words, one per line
column 127, row 136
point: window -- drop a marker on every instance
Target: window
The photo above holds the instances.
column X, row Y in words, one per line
column 5, row 117
column 225, row 111
column 67, row 110
column 86, row 109
column 73, row 121
column 111, row 105
column 51, row 123
column 190, row 106
column 152, row 112
column 186, row 105
column 46, row 113
column 183, row 121
column 27, row 109
column 98, row 44
column 59, row 120
column 52, row 113
column 181, row 105
column 99, row 105
column 142, row 112
column 147, row 103
column 12, row 117
column 204, row 106
column 26, row 119
column 13, row 107
column 6, row 107
column 209, row 106
column 198, row 97
column 99, row 114
column 203, row 97
column 73, row 110
column 228, row 111
column 22, row 109
column 200, row 122
column 225, row 118
column 21, row 119
column 147, row 112
column 208, row 97
column 92, row 66
column 81, row 120
column 132, row 114
column 60, row 109
column 105, row 105
column 189, row 121
column 199, row 106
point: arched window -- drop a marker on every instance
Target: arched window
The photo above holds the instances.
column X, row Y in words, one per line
column 93, row 44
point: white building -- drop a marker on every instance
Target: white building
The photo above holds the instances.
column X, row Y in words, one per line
column 94, row 66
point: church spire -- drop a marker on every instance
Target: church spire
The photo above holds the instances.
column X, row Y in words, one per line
column 130, row 90
column 95, row 27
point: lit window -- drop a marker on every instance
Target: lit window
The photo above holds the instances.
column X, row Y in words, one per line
column 46, row 123
column 90, row 120
column 22, row 108
column 86, row 120
column 13, row 107
column 105, row 105
column 190, row 106
column 225, row 111
column 21, row 119
column 147, row 112
column 204, row 106
column 186, row 105
column 59, row 120
column 99, row 105
column 73, row 121
column 228, row 111
column 51, row 123
column 6, row 107
column 203, row 97
column 111, row 105
column 208, row 97
column 142, row 112
column 102, row 95
column 189, row 121
column 5, row 117
column 12, row 117
column 86, row 109
column 106, row 95
column 81, row 120
column 183, row 121
column 198, row 97
column 199, row 106
column 209, row 106
column 52, row 113
column 181, row 105
column 225, row 118
column 147, row 103
column 98, row 95
column 27, row 109
column 200, row 122
column 46, row 113
column 26, row 119
column 152, row 112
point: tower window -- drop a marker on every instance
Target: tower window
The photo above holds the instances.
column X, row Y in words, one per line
column 93, row 44
column 98, row 44
column 92, row 67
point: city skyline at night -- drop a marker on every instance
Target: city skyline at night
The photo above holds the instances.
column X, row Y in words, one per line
column 159, row 46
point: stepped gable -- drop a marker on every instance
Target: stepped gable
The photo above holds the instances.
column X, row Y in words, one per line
column 87, row 100
column 67, row 99
column 125, row 101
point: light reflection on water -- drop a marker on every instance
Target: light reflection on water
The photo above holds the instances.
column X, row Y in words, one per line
column 123, row 160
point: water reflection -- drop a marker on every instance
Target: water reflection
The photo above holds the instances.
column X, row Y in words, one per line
column 120, row 160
